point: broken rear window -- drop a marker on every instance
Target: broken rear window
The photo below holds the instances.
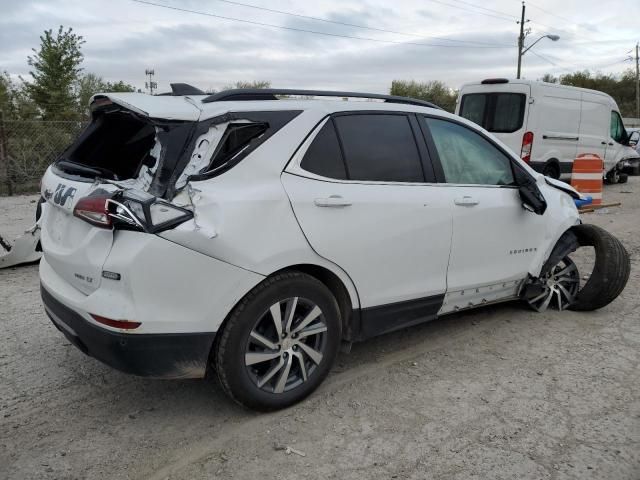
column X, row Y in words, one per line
column 114, row 146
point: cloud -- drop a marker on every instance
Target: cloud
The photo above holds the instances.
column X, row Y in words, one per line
column 124, row 37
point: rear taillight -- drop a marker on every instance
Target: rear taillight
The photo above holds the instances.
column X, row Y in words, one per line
column 130, row 210
column 95, row 210
column 124, row 324
column 527, row 144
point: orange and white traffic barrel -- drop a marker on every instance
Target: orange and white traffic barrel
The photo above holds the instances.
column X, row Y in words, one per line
column 587, row 176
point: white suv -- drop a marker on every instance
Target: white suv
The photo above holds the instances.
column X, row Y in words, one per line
column 251, row 232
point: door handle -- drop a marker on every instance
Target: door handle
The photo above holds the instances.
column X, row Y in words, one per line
column 611, row 144
column 603, row 143
column 334, row 201
column 466, row 201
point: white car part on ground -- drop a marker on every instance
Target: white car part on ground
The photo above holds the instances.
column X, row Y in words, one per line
column 24, row 250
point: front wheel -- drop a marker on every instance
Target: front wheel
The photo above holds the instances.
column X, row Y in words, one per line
column 279, row 343
column 569, row 285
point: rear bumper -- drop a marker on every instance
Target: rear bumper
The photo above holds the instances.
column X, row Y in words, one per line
column 160, row 355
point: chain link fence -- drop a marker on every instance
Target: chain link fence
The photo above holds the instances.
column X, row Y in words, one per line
column 28, row 147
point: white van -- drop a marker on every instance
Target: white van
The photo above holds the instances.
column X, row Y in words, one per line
column 549, row 124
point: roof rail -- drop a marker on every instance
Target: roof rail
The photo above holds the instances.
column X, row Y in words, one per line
column 248, row 94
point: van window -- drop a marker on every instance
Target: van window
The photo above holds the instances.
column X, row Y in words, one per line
column 496, row 112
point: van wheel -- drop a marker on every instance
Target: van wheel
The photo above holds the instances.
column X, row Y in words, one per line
column 623, row 178
column 279, row 343
column 551, row 170
column 612, row 177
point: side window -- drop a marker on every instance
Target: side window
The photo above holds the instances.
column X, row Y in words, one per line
column 324, row 156
column 466, row 157
column 617, row 128
column 379, row 147
column 236, row 137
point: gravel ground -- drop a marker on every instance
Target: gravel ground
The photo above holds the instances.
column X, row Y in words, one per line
column 497, row 393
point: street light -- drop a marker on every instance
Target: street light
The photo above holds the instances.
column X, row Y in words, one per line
column 521, row 52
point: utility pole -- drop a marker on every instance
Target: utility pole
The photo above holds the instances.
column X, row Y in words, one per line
column 521, row 41
column 150, row 85
column 637, row 83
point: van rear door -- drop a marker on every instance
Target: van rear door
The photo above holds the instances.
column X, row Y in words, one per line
column 500, row 108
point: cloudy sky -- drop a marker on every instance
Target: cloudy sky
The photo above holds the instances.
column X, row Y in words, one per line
column 450, row 40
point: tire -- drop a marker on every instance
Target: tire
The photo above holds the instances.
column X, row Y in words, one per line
column 623, row 178
column 551, row 170
column 612, row 177
column 252, row 319
column 611, row 269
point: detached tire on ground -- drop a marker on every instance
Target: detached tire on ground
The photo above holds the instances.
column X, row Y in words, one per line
column 279, row 342
column 610, row 272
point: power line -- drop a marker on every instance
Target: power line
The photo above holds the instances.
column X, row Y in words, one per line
column 489, row 9
column 548, row 12
column 347, row 24
column 502, row 17
column 294, row 29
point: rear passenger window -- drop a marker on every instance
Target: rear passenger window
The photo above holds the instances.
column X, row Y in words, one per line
column 324, row 156
column 379, row 148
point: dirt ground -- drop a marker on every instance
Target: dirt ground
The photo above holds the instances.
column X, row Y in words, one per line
column 498, row 393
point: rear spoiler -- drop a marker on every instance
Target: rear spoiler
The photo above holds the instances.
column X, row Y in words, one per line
column 164, row 107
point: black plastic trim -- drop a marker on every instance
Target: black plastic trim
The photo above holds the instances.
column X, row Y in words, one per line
column 252, row 94
column 178, row 355
column 387, row 318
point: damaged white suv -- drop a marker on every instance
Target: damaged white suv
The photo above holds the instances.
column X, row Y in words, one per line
column 251, row 232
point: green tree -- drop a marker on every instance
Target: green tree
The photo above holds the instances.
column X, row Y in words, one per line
column 14, row 101
column 251, row 84
column 548, row 78
column 621, row 88
column 90, row 84
column 56, row 68
column 434, row 91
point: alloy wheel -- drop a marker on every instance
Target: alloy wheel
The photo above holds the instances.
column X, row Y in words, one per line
column 559, row 287
column 286, row 345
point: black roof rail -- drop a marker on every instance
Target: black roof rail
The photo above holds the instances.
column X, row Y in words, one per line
column 179, row 89
column 248, row 94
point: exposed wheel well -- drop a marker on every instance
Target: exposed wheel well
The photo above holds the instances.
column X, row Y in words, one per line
column 337, row 288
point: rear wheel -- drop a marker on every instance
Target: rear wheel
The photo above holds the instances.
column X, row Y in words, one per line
column 279, row 343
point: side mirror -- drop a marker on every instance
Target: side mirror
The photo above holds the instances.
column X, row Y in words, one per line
column 532, row 199
column 634, row 137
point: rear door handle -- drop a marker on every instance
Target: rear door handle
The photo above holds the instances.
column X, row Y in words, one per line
column 334, row 201
column 466, row 201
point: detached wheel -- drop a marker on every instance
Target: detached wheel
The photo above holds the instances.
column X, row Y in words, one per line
column 279, row 342
column 561, row 285
column 610, row 272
